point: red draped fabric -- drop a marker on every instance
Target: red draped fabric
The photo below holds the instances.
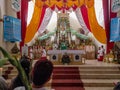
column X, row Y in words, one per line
column 23, row 16
column 85, row 16
column 107, row 16
column 42, row 15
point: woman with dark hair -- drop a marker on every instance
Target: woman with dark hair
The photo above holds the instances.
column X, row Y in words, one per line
column 42, row 72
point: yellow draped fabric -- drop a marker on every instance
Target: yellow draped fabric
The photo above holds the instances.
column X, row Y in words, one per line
column 60, row 3
column 96, row 29
column 34, row 23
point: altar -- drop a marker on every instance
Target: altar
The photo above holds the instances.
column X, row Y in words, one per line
column 63, row 40
column 76, row 56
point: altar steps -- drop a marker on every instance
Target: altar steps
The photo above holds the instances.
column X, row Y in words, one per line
column 80, row 77
column 89, row 77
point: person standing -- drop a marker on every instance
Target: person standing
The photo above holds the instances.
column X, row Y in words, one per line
column 98, row 54
column 31, row 52
column 102, row 53
column 44, row 54
column 25, row 50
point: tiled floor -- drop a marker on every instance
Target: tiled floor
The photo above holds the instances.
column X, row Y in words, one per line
column 94, row 63
column 99, row 63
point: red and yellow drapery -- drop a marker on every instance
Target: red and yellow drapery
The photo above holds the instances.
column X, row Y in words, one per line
column 96, row 29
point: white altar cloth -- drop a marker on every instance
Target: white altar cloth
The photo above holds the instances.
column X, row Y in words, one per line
column 66, row 51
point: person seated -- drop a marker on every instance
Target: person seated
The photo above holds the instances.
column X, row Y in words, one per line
column 66, row 59
column 3, row 84
column 41, row 74
column 17, row 82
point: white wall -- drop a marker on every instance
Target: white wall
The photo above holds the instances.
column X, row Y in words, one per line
column 5, row 9
column 2, row 12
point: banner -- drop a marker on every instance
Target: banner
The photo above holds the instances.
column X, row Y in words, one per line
column 115, row 5
column 16, row 5
column 12, row 29
column 115, row 30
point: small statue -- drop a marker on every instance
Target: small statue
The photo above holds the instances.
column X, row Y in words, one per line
column 15, row 49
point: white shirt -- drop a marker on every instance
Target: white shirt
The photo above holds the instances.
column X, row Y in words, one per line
column 43, row 53
column 20, row 88
column 25, row 50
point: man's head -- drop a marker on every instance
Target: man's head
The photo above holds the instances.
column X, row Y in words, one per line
column 25, row 63
column 42, row 72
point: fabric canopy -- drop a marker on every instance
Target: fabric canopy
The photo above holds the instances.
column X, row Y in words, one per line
column 97, row 30
column 90, row 22
column 35, row 21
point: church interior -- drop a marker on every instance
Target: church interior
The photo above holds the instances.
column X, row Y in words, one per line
column 80, row 37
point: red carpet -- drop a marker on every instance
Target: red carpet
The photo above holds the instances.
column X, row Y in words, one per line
column 66, row 78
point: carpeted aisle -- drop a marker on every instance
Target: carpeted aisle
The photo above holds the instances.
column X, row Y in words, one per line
column 66, row 78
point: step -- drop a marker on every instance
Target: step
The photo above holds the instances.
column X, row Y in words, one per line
column 85, row 83
column 99, row 67
column 98, row 88
column 11, row 76
column 100, row 76
column 67, row 82
column 86, row 76
column 64, row 76
column 85, row 88
column 99, row 83
column 64, row 67
column 99, row 71
column 66, row 71
column 68, row 88
column 84, row 71
column 10, row 71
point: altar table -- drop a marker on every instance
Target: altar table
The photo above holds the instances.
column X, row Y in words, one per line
column 56, row 55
